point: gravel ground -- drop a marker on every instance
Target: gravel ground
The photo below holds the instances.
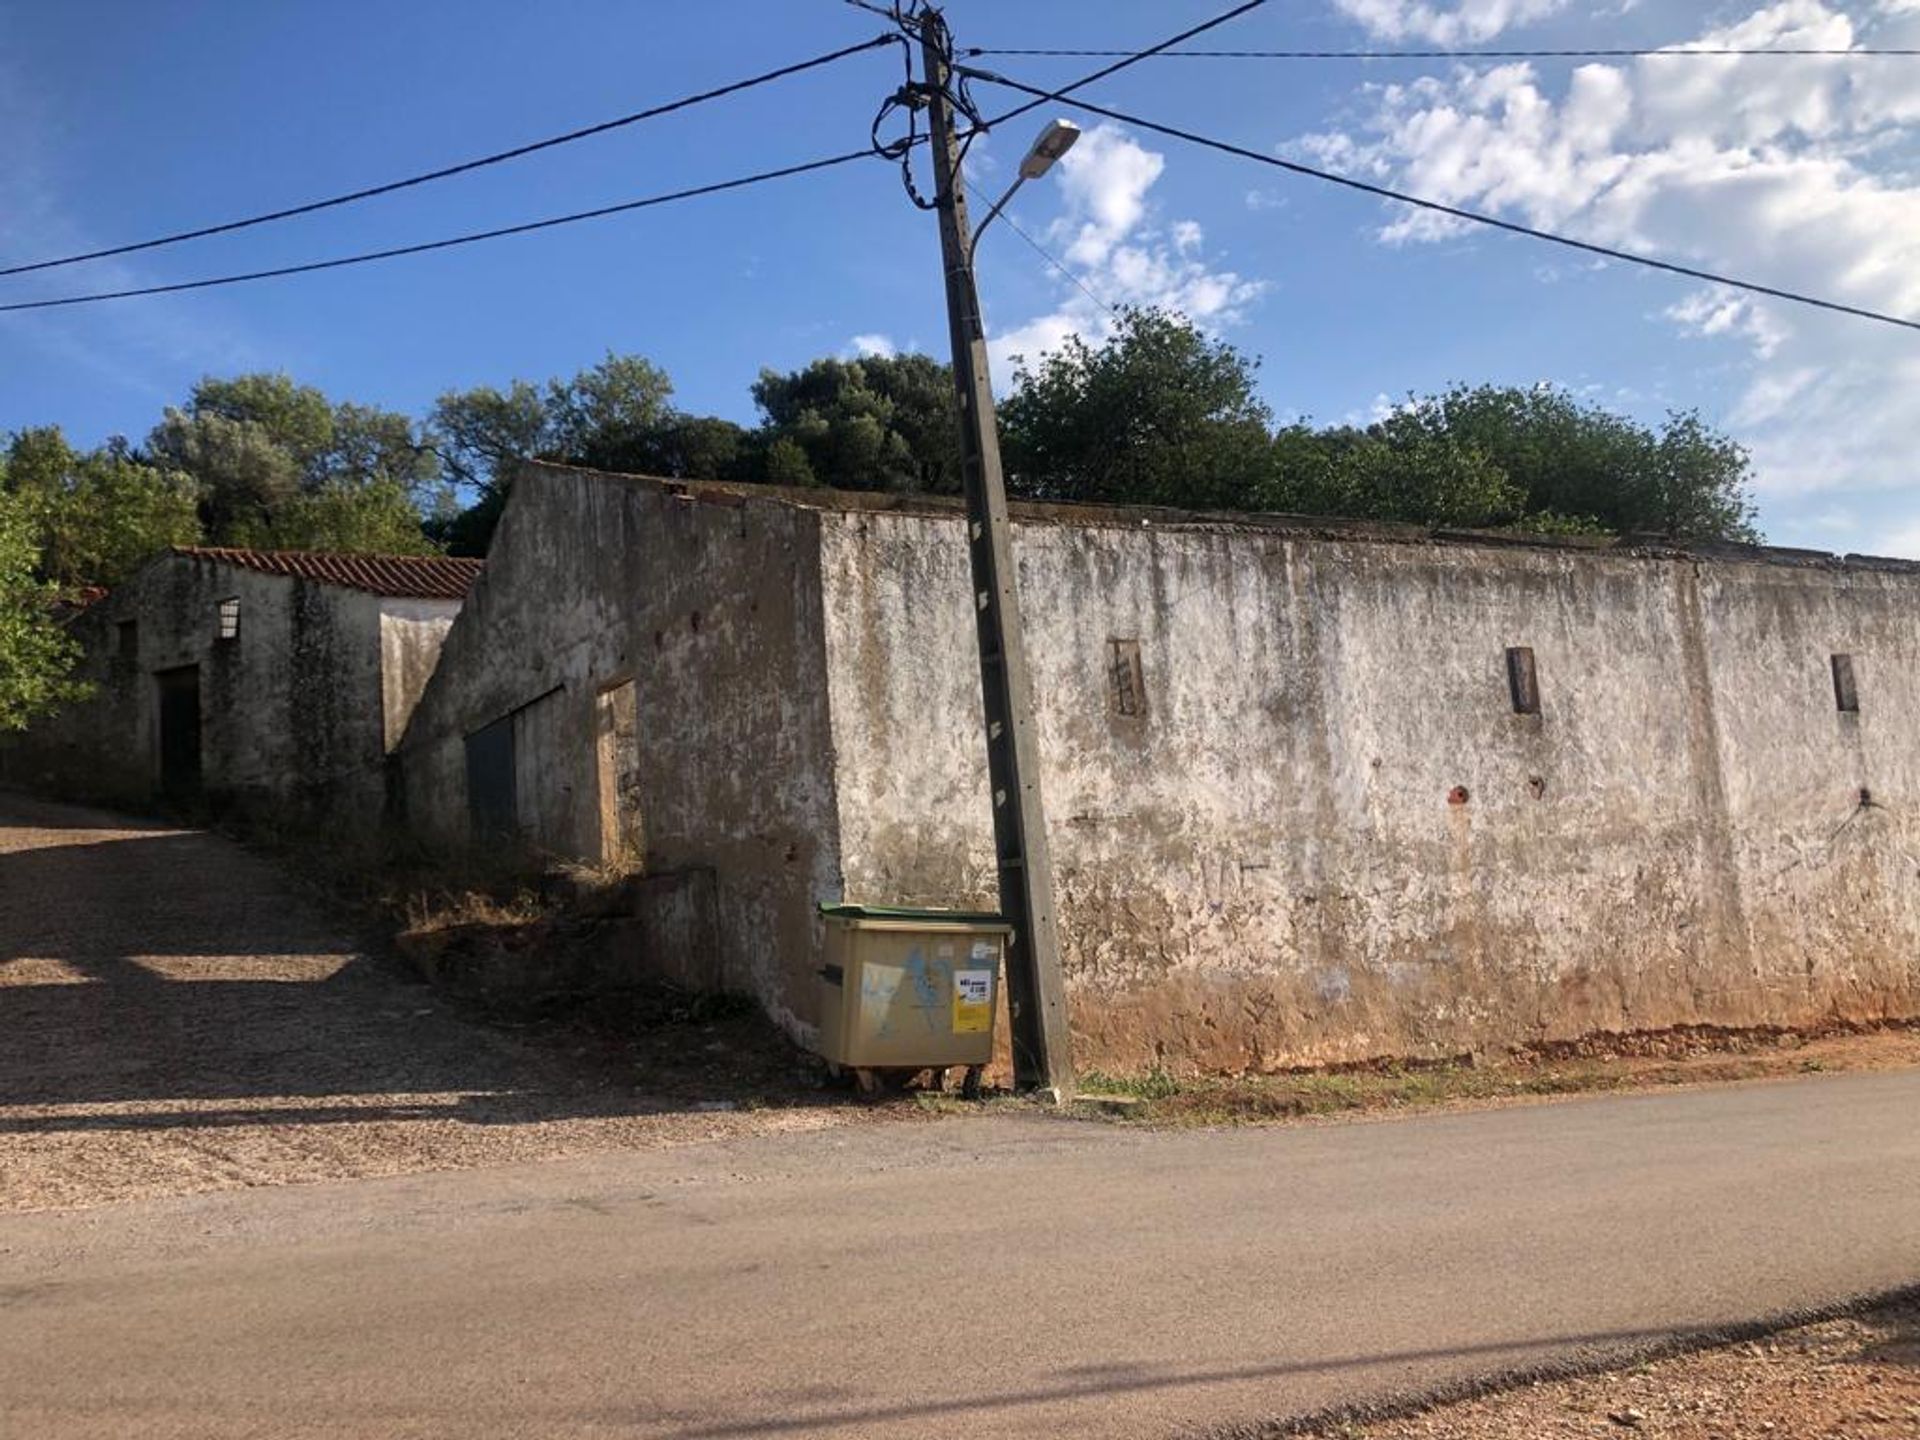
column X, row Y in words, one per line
column 1855, row 1379
column 173, row 1018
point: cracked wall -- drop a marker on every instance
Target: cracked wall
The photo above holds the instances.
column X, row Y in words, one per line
column 1320, row 832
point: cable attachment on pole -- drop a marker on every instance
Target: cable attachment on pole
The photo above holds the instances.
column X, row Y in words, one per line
column 922, row 25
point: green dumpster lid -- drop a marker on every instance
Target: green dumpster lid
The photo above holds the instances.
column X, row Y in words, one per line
column 911, row 912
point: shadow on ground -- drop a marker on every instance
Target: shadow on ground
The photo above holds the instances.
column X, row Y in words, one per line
column 154, row 978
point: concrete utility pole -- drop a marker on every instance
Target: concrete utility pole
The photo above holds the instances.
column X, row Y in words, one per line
column 1036, row 988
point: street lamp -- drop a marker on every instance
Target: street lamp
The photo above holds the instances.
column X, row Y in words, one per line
column 1054, row 142
column 1036, row 982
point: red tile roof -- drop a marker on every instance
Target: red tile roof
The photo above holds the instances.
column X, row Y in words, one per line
column 408, row 577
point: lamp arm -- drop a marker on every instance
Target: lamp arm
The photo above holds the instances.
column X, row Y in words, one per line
column 992, row 215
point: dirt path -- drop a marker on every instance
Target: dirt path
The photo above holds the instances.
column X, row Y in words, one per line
column 173, row 1019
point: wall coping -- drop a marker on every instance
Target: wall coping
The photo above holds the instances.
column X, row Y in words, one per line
column 1287, row 526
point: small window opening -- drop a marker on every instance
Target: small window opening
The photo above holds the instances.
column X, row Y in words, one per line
column 1846, row 698
column 1523, row 684
column 1126, row 681
column 126, row 638
column 230, row 618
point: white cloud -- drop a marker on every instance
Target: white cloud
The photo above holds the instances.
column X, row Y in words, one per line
column 1464, row 22
column 1800, row 175
column 1108, row 235
column 862, row 346
column 1105, row 178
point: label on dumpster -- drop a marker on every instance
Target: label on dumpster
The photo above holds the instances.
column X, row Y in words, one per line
column 972, row 1001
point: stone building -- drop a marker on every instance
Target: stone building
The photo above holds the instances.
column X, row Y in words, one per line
column 1315, row 792
column 273, row 679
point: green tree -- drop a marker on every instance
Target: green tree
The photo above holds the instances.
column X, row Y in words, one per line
column 615, row 415
column 611, row 416
column 374, row 518
column 1158, row 414
column 1357, row 474
column 1578, row 461
column 706, row 447
column 483, row 433
column 265, row 452
column 36, row 655
column 97, row 516
column 787, row 464
column 878, row 423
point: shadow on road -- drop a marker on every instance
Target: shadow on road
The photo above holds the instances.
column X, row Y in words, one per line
column 821, row 1409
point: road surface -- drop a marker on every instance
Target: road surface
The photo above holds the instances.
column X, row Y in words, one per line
column 1002, row 1276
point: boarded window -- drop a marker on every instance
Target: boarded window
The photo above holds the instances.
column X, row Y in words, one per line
column 491, row 810
column 1126, row 683
column 229, row 621
column 1523, row 684
column 1846, row 697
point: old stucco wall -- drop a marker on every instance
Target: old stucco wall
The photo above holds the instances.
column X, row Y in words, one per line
column 411, row 634
column 1328, row 836
column 290, row 709
column 712, row 610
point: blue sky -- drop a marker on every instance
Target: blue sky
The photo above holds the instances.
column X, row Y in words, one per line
column 120, row 120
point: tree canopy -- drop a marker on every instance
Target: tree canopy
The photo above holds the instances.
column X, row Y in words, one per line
column 277, row 465
column 1157, row 413
column 883, row 422
column 36, row 655
column 95, row 517
column 1161, row 414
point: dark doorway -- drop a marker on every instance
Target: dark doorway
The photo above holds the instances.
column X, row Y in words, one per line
column 179, row 730
column 490, row 782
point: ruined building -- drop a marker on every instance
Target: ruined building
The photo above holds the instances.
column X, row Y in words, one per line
column 1316, row 792
column 274, row 679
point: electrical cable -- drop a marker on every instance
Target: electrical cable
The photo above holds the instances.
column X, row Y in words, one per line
column 1048, row 256
column 902, row 149
column 464, row 166
column 1476, row 217
column 1615, row 54
column 446, row 244
column 1132, row 58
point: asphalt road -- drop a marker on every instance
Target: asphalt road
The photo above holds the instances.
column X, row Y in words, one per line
column 992, row 1277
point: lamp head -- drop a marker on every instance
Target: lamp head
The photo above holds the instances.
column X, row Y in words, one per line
column 1054, row 142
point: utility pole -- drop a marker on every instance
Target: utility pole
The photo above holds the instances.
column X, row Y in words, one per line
column 1036, row 987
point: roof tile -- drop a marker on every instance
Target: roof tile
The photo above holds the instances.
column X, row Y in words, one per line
column 399, row 577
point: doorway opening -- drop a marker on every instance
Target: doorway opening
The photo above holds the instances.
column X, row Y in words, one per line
column 616, row 716
column 179, row 690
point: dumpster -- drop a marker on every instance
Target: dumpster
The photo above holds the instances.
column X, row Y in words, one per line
column 905, row 990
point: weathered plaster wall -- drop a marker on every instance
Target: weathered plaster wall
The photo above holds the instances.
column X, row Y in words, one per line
column 712, row 609
column 411, row 634
column 290, row 710
column 1327, row 835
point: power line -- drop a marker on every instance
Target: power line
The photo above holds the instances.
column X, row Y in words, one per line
column 464, row 166
column 902, row 149
column 1616, row 54
column 1420, row 202
column 1048, row 256
column 1132, row 57
column 447, row 244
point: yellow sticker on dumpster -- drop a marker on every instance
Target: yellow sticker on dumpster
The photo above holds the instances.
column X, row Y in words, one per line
column 972, row 1001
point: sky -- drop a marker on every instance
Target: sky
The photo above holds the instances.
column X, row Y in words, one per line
column 122, row 119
